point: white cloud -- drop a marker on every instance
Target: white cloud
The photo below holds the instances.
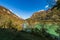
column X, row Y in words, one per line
column 11, row 10
column 56, row 0
column 46, row 6
column 16, row 13
column 41, row 10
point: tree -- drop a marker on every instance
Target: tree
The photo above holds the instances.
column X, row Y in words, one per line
column 58, row 31
column 58, row 4
column 51, row 3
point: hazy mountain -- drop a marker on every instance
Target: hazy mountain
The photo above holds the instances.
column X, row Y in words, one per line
column 7, row 17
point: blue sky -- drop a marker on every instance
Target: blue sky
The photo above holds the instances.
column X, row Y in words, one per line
column 25, row 8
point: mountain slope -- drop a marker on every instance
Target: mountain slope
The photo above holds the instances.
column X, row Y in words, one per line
column 46, row 15
column 6, row 17
column 49, row 16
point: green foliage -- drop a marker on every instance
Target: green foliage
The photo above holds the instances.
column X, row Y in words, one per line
column 58, row 4
column 38, row 26
column 58, row 31
column 40, row 31
column 7, row 34
column 49, row 28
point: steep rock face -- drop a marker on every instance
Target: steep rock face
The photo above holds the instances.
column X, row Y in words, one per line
column 6, row 17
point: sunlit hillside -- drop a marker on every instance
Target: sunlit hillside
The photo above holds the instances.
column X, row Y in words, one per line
column 7, row 17
column 43, row 25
